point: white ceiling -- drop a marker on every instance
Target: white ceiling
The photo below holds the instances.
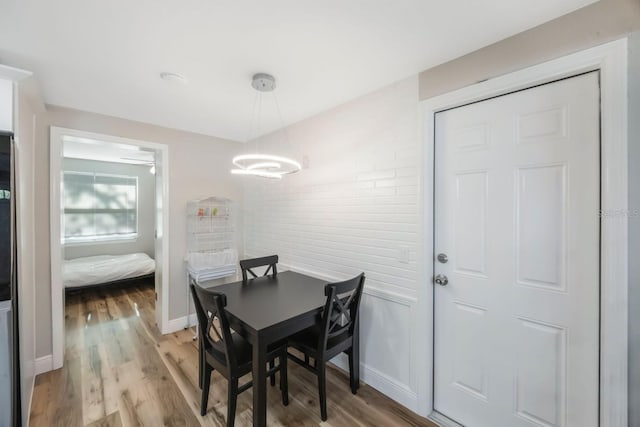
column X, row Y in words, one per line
column 106, row 56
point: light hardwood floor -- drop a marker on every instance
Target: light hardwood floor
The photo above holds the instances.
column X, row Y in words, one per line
column 119, row 371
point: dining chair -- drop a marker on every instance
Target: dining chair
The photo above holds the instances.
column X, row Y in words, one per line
column 247, row 264
column 227, row 352
column 332, row 335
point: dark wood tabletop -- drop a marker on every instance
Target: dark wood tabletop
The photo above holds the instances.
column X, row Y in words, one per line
column 268, row 309
column 269, row 301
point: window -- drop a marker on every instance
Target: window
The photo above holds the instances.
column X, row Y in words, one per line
column 99, row 207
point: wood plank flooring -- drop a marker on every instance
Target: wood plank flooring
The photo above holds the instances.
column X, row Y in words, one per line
column 119, row 371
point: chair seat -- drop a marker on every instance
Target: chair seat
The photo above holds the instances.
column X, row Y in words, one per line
column 241, row 348
column 307, row 340
column 244, row 351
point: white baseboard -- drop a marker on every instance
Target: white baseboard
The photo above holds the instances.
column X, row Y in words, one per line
column 381, row 382
column 180, row 323
column 43, row 364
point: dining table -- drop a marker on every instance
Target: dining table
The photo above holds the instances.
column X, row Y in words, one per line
column 267, row 309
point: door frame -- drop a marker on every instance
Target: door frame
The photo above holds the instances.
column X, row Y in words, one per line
column 57, row 288
column 611, row 60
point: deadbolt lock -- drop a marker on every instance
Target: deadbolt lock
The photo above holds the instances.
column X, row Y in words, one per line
column 441, row 280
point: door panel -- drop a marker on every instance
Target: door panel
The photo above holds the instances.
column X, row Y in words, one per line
column 516, row 211
column 540, row 372
column 471, row 223
column 469, row 364
column 541, row 226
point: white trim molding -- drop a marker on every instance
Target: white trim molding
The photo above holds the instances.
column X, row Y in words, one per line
column 180, row 323
column 13, row 74
column 57, row 288
column 383, row 383
column 611, row 61
column 405, row 300
column 44, row 364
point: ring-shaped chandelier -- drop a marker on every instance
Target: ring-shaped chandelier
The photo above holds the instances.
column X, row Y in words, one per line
column 265, row 165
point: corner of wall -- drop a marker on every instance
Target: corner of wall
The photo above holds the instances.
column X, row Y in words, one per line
column 634, row 227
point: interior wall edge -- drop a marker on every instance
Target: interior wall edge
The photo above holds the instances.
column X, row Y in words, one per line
column 26, row 107
column 634, row 228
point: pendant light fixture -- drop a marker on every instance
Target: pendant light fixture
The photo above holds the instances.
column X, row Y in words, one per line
column 262, row 164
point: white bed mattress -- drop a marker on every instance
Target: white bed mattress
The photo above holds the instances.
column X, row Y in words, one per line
column 94, row 270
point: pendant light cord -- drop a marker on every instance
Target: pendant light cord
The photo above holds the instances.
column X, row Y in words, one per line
column 284, row 129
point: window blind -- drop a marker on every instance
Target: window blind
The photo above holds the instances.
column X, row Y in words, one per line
column 99, row 206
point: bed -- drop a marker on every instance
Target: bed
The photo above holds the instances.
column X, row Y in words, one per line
column 106, row 269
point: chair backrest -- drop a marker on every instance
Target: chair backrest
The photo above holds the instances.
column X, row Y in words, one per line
column 247, row 264
column 213, row 327
column 341, row 309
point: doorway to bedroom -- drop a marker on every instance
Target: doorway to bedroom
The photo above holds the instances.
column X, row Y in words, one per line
column 107, row 241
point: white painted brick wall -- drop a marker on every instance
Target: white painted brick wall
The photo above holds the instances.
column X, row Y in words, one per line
column 356, row 208
column 341, row 222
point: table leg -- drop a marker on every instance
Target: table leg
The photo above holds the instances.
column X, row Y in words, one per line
column 259, row 383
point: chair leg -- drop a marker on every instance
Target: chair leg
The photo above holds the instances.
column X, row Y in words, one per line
column 201, row 367
column 322, row 388
column 272, row 378
column 231, row 402
column 284, row 381
column 206, row 380
column 352, row 373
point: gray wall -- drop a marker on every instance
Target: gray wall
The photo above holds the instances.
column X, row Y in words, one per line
column 590, row 26
column 146, row 208
column 28, row 106
column 634, row 229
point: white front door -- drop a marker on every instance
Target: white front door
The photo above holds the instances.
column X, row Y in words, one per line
column 517, row 199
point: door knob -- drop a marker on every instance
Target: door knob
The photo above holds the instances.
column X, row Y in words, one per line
column 441, row 280
column 443, row 258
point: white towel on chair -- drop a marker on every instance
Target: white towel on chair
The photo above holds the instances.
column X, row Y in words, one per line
column 206, row 260
column 215, row 265
column 215, row 273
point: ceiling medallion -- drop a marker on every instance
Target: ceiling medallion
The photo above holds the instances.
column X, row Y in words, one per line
column 264, row 165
